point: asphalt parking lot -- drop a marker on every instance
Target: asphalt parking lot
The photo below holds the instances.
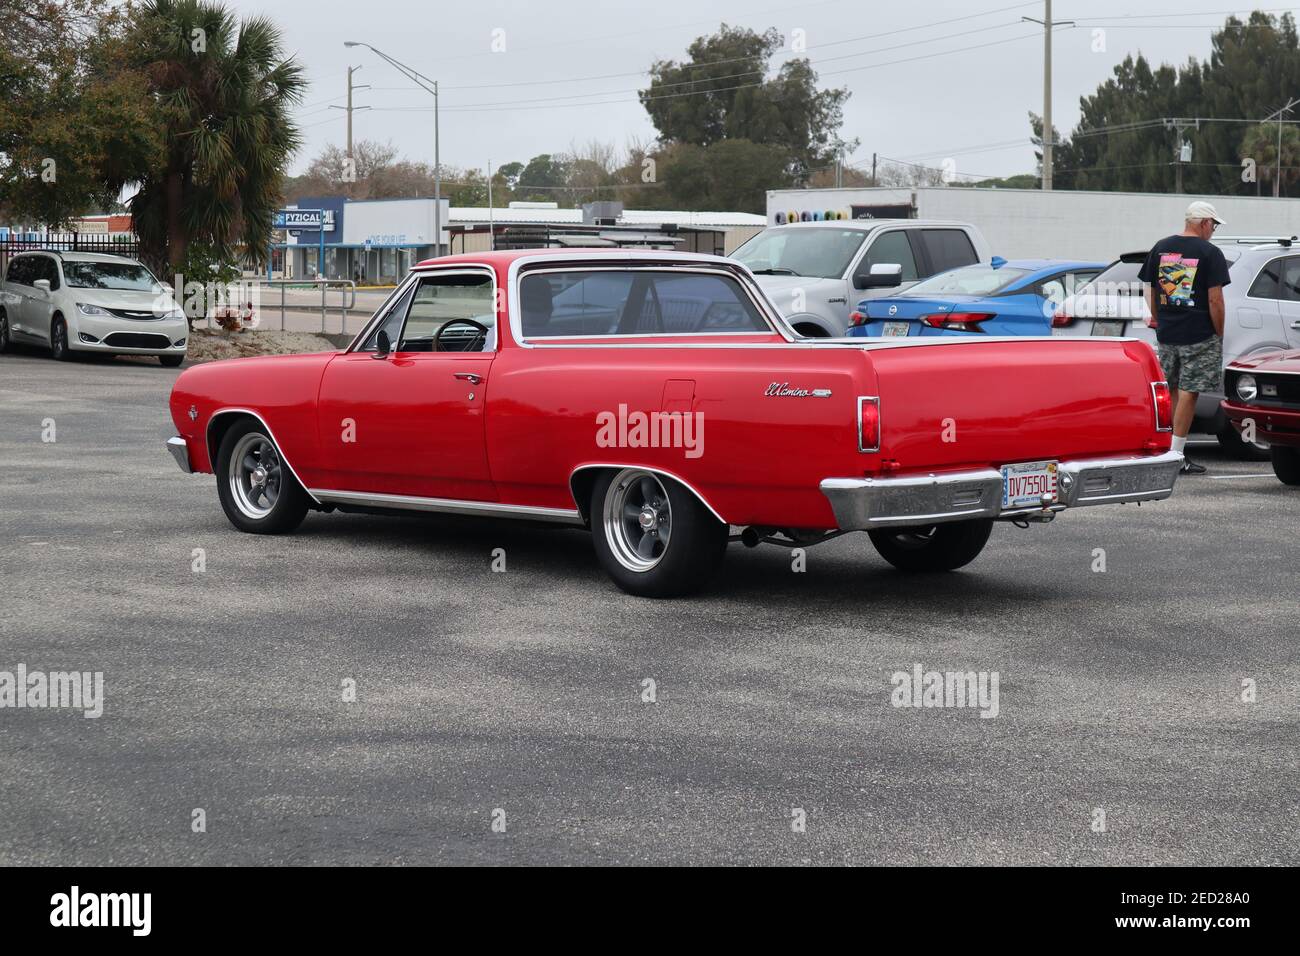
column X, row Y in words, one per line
column 479, row 692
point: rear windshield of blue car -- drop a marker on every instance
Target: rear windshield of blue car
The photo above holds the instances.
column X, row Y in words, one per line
column 970, row 280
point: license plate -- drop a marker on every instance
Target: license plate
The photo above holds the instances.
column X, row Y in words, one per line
column 896, row 329
column 1108, row 328
column 1024, row 484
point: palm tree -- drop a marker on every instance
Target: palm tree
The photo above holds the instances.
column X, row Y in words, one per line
column 223, row 90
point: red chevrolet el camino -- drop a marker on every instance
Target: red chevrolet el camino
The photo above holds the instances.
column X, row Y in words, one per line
column 658, row 399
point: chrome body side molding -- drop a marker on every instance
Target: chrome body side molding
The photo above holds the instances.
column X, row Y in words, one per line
column 454, row 506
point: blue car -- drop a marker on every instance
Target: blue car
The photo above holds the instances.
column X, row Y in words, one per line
column 998, row 297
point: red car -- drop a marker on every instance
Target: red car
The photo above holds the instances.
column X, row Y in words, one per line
column 659, row 400
column 1264, row 400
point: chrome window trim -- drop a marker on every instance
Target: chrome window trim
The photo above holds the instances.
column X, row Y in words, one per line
column 461, row 506
column 626, row 261
column 233, row 410
column 414, row 278
column 875, row 400
column 381, row 312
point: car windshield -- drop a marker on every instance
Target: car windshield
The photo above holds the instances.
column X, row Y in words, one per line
column 817, row 252
column 119, row 276
column 969, row 280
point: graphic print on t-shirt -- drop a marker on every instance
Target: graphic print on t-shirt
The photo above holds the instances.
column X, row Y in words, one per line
column 1176, row 277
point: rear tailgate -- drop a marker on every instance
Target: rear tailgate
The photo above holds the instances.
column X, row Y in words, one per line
column 971, row 403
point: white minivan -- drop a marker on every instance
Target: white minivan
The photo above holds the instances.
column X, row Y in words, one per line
column 90, row 302
column 817, row 272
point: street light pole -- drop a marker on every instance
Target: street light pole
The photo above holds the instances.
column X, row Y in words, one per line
column 429, row 86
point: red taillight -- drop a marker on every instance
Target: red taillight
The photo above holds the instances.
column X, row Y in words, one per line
column 1061, row 319
column 960, row 321
column 1164, row 406
column 868, row 423
column 857, row 318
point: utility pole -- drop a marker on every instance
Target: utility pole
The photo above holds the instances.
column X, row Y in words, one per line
column 873, row 169
column 1047, row 24
column 1182, row 149
column 429, row 86
column 350, row 107
column 1277, row 179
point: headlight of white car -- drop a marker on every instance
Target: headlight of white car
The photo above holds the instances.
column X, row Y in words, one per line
column 90, row 309
column 1247, row 389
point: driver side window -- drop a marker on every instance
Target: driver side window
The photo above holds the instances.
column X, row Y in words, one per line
column 435, row 301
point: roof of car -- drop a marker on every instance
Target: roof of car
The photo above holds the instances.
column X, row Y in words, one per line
column 503, row 259
column 867, row 223
column 68, row 256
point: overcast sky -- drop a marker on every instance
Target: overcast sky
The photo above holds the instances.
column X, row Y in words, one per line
column 930, row 79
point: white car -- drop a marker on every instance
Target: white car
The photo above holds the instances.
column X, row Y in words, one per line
column 1261, row 305
column 90, row 302
column 816, row 273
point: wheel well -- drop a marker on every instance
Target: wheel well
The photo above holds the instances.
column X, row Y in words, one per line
column 809, row 330
column 583, row 480
column 218, row 426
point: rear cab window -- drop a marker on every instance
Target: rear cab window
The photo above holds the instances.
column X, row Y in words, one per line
column 947, row 249
column 611, row 303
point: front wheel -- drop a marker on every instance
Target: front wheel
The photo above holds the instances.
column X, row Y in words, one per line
column 940, row 547
column 171, row 361
column 59, row 350
column 1233, row 444
column 652, row 536
column 258, row 492
column 1286, row 463
column 4, row 331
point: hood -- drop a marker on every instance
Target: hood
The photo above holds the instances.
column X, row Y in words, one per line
column 1279, row 361
column 782, row 289
column 158, row 303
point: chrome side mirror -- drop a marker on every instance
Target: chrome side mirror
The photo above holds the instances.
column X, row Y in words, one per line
column 383, row 345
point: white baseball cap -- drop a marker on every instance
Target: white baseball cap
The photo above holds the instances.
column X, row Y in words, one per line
column 1202, row 210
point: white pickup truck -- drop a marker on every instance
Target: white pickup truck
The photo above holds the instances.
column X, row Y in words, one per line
column 817, row 272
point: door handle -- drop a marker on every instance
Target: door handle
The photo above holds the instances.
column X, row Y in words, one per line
column 469, row 377
column 1296, row 324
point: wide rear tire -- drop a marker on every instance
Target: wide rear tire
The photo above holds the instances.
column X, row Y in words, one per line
column 652, row 536
column 258, row 492
column 1286, row 463
column 940, row 547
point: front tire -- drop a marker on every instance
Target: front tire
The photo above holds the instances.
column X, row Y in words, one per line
column 4, row 331
column 1233, row 444
column 59, row 350
column 1286, row 463
column 258, row 492
column 652, row 536
column 171, row 361
column 940, row 547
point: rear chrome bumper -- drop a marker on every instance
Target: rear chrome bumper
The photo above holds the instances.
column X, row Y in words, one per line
column 864, row 503
column 181, row 452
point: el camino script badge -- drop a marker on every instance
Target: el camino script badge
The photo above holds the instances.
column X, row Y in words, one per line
column 785, row 390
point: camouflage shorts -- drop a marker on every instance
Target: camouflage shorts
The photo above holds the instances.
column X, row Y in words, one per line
column 1194, row 368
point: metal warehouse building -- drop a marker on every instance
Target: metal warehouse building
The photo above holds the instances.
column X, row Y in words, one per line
column 1029, row 223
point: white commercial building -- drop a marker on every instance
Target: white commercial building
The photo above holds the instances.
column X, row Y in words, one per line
column 1031, row 223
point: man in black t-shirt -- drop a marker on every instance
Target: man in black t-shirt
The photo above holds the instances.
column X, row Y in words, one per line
column 1185, row 276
